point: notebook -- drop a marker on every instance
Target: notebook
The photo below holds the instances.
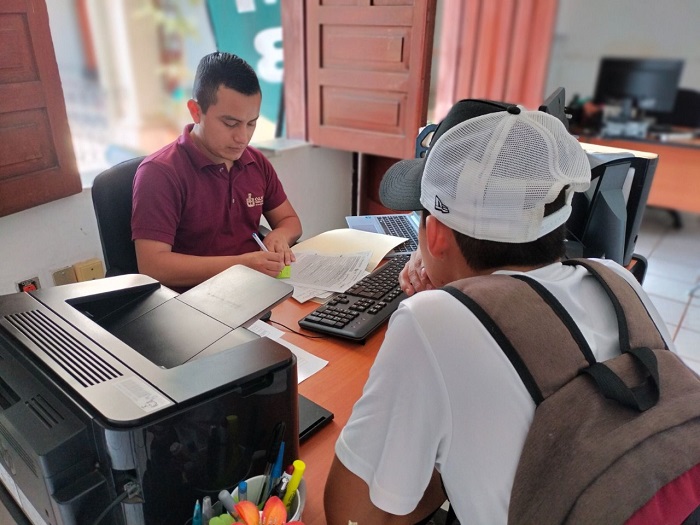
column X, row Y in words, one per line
column 398, row 224
column 312, row 417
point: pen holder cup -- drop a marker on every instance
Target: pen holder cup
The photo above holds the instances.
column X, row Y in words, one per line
column 296, row 506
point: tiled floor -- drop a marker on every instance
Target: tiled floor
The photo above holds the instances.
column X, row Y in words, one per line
column 674, row 269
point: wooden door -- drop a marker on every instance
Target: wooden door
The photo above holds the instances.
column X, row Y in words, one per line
column 367, row 65
column 37, row 162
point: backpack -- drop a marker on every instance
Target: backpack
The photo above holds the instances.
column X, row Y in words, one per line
column 611, row 442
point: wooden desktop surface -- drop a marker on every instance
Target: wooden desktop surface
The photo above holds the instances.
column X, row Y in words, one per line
column 676, row 183
column 336, row 387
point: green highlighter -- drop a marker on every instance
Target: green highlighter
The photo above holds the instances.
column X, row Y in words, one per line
column 286, row 273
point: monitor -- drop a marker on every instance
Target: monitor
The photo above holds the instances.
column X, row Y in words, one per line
column 605, row 220
column 555, row 105
column 643, row 83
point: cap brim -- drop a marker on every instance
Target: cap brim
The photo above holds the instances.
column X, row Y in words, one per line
column 400, row 186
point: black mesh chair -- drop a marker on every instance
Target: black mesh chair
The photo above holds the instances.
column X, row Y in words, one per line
column 111, row 199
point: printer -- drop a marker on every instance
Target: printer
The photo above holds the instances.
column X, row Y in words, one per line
column 121, row 398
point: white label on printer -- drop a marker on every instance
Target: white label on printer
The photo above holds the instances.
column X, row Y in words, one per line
column 146, row 397
column 8, row 481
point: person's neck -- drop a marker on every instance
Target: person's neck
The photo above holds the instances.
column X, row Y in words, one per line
column 201, row 146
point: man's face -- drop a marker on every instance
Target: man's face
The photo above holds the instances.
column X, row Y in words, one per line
column 225, row 130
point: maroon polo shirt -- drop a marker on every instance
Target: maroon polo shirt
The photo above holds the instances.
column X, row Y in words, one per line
column 183, row 199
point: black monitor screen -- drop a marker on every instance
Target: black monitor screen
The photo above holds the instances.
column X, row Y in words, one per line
column 648, row 84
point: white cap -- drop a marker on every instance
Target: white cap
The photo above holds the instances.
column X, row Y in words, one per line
column 490, row 176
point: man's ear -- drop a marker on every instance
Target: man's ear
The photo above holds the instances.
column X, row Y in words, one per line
column 438, row 237
column 195, row 110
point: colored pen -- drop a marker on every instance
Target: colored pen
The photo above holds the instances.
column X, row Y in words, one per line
column 242, row 491
column 260, row 243
column 207, row 512
column 197, row 516
column 299, row 467
column 277, row 436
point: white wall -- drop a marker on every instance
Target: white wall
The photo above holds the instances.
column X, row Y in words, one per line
column 589, row 29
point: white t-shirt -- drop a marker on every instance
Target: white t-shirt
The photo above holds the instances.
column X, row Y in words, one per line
column 442, row 394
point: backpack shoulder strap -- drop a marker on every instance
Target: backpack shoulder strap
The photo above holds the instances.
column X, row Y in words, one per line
column 527, row 322
column 636, row 326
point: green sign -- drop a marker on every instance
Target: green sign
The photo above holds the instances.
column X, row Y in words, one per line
column 252, row 29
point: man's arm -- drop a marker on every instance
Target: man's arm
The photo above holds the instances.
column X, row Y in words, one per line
column 286, row 229
column 346, row 498
column 157, row 260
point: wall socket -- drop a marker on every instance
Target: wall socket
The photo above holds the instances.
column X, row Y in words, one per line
column 29, row 285
column 89, row 270
column 64, row 276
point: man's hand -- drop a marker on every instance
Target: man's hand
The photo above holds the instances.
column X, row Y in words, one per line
column 270, row 263
column 276, row 242
column 413, row 278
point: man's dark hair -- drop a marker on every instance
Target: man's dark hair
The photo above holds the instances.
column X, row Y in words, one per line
column 485, row 255
column 216, row 69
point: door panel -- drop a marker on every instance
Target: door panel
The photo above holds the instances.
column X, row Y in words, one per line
column 37, row 162
column 368, row 69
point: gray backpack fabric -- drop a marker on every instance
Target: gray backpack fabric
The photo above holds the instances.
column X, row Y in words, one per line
column 606, row 436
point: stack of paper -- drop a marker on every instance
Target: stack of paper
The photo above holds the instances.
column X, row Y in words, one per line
column 335, row 260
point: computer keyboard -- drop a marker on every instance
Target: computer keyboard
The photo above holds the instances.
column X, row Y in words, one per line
column 360, row 310
column 400, row 227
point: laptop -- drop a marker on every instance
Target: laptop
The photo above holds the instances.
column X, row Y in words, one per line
column 397, row 224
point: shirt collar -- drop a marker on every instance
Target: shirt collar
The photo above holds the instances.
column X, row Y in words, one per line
column 199, row 159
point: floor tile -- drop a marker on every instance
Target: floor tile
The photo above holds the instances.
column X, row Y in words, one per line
column 671, row 311
column 691, row 321
column 667, row 266
column 688, row 343
column 666, row 287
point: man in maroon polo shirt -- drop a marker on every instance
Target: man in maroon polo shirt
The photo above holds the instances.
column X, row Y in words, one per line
column 198, row 201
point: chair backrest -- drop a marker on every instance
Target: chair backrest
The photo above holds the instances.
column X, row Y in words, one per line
column 111, row 199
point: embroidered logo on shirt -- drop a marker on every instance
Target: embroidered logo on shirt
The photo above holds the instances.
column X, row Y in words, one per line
column 254, row 201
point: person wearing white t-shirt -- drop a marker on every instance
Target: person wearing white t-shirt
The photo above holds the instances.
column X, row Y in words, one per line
column 444, row 414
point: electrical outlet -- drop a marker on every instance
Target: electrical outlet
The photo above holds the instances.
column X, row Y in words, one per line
column 29, row 285
column 64, row 276
column 89, row 270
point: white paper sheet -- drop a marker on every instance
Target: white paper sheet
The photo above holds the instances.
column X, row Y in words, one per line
column 335, row 273
column 307, row 363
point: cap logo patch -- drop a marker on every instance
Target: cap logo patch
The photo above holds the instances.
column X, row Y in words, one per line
column 440, row 206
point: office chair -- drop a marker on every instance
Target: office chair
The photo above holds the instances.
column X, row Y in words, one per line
column 111, row 199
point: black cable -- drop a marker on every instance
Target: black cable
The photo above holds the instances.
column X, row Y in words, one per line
column 298, row 333
column 111, row 506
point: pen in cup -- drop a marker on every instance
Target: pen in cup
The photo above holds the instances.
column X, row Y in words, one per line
column 260, row 243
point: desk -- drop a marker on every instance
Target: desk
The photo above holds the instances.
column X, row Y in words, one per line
column 676, row 184
column 336, row 387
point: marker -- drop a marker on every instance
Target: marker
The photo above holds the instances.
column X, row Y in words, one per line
column 299, row 467
column 260, row 243
column 281, row 486
column 226, row 500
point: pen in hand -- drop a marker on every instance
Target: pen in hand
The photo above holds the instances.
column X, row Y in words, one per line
column 260, row 243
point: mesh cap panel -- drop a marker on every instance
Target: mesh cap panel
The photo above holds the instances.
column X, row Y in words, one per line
column 490, row 177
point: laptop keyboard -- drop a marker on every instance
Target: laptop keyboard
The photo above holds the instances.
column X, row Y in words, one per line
column 400, row 227
column 360, row 310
